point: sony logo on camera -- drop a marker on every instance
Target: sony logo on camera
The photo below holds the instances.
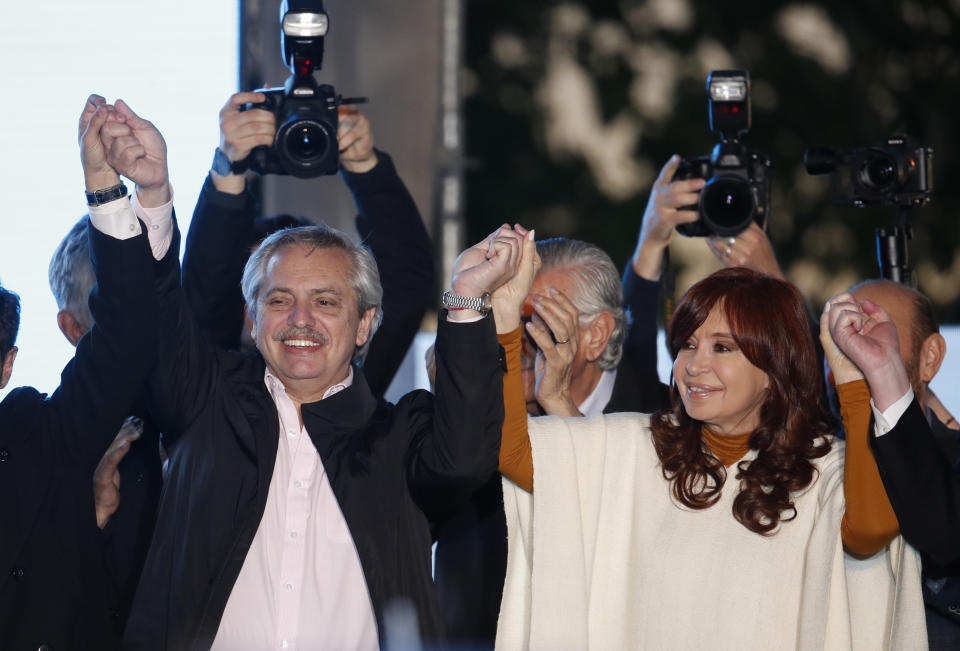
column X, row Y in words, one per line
column 307, row 112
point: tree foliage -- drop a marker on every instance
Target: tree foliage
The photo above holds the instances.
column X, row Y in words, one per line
column 572, row 107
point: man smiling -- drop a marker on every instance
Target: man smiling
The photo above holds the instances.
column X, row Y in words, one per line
column 296, row 507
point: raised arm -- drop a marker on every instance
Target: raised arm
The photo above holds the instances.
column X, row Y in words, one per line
column 222, row 229
column 181, row 379
column 99, row 385
column 390, row 224
column 516, row 455
column 460, row 452
column 847, row 333
column 668, row 207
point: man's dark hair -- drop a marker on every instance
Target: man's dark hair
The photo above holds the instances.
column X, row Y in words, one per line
column 9, row 321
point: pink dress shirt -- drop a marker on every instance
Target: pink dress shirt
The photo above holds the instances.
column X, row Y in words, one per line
column 301, row 584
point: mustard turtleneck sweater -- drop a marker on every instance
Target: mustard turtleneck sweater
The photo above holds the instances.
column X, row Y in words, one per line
column 868, row 521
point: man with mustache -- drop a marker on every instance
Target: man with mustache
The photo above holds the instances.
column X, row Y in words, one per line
column 296, row 506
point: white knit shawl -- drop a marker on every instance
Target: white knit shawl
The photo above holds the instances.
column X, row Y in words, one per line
column 602, row 557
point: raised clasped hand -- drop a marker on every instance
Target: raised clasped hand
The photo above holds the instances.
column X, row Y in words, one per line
column 135, row 149
column 840, row 365
column 864, row 333
column 489, row 264
column 97, row 171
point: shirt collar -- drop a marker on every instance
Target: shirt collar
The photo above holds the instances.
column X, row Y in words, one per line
column 274, row 385
column 600, row 396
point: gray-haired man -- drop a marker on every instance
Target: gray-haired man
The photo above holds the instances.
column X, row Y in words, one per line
column 296, row 506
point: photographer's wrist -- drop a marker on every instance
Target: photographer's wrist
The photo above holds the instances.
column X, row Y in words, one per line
column 360, row 166
column 648, row 259
column 230, row 183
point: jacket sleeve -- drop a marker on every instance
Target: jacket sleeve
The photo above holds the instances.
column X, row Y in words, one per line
column 640, row 348
column 923, row 487
column 98, row 386
column 218, row 245
column 389, row 223
column 183, row 377
column 457, row 451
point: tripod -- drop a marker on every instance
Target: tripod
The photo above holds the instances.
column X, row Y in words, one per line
column 893, row 250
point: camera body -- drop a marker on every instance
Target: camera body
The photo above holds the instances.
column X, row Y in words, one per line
column 738, row 180
column 306, row 142
column 897, row 172
column 307, row 112
column 737, row 190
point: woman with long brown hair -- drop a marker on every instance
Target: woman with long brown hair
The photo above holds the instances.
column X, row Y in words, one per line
column 720, row 522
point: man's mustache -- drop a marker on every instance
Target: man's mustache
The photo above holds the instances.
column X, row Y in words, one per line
column 302, row 333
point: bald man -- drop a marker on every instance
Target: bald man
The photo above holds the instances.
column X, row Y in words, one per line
column 922, row 347
column 915, row 461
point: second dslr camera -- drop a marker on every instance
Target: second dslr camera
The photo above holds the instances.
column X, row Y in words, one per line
column 307, row 112
column 738, row 180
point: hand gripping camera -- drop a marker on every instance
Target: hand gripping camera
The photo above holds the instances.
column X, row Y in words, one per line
column 738, row 180
column 306, row 142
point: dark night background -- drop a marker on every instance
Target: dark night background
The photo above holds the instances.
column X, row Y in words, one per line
column 572, row 107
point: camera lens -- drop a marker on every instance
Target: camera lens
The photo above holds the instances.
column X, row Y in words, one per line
column 727, row 205
column 879, row 171
column 305, row 142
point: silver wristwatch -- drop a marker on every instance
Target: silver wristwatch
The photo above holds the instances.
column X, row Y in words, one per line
column 481, row 304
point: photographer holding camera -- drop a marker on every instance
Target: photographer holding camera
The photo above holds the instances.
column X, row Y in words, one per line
column 225, row 228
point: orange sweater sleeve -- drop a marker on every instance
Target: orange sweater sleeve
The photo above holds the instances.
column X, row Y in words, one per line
column 516, row 455
column 869, row 522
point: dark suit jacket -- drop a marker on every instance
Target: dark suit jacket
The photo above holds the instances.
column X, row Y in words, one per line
column 53, row 585
column 923, row 485
column 222, row 233
column 390, row 468
column 471, row 557
column 126, row 538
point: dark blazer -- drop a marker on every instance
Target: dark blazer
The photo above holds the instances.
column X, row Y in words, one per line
column 391, row 468
column 223, row 232
column 471, row 556
column 923, row 486
column 53, row 585
column 125, row 539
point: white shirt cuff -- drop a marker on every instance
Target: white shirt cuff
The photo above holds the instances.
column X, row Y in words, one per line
column 472, row 319
column 886, row 421
column 159, row 223
column 116, row 219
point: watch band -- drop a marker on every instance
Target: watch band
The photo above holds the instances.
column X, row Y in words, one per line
column 223, row 166
column 100, row 197
column 481, row 304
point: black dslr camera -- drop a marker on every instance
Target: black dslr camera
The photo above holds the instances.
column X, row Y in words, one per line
column 306, row 142
column 898, row 172
column 738, row 180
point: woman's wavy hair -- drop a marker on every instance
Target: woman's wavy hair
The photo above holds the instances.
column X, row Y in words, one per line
column 770, row 325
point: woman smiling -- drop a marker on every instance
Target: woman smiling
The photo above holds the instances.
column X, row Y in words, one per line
column 720, row 522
